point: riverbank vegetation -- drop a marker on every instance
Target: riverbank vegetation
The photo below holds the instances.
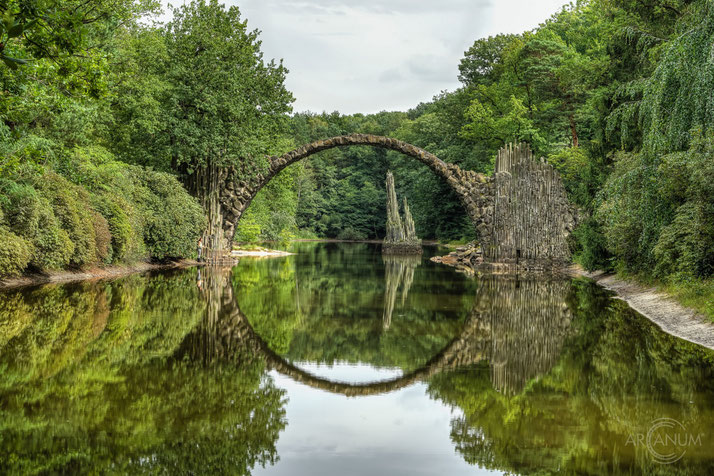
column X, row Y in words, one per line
column 103, row 126
column 113, row 133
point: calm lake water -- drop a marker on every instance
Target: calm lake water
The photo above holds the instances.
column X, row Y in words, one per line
column 338, row 361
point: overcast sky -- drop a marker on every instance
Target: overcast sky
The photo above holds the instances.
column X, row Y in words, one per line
column 374, row 55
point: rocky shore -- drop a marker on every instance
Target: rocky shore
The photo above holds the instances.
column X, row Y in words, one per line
column 465, row 258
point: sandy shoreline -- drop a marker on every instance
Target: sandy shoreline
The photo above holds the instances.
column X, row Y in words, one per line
column 672, row 317
column 260, row 253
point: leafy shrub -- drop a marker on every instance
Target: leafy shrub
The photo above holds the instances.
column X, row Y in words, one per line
column 53, row 248
column 350, row 233
column 661, row 218
column 125, row 226
column 93, row 209
column 15, row 253
column 304, row 234
column 173, row 220
column 627, row 225
column 280, row 227
column 592, row 253
column 571, row 163
column 248, row 231
column 686, row 246
column 102, row 238
column 29, row 216
column 69, row 204
column 21, row 205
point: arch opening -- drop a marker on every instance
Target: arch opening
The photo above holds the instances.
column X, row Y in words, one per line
column 470, row 187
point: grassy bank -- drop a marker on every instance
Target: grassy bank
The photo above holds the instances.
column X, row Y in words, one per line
column 697, row 294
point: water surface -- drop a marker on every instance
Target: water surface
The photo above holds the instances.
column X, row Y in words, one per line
column 337, row 360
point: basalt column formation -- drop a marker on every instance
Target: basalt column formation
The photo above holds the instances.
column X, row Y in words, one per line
column 401, row 235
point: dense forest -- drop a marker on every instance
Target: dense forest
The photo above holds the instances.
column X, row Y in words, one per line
column 116, row 132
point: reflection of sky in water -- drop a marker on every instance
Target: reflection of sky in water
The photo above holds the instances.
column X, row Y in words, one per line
column 350, row 373
column 399, row 433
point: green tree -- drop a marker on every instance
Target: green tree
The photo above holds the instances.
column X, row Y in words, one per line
column 71, row 35
column 482, row 62
column 197, row 98
column 225, row 107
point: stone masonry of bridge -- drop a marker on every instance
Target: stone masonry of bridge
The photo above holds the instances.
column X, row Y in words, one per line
column 521, row 213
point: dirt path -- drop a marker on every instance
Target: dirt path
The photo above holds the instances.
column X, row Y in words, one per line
column 668, row 314
column 110, row 272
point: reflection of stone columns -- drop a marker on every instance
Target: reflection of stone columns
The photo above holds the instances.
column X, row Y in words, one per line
column 221, row 333
column 398, row 271
column 519, row 325
column 528, row 321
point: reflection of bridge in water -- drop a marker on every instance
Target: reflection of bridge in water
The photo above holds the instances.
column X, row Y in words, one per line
column 517, row 325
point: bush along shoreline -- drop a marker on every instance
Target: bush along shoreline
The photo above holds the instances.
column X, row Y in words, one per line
column 93, row 211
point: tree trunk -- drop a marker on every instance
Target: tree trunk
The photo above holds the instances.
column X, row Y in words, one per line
column 573, row 130
column 213, row 187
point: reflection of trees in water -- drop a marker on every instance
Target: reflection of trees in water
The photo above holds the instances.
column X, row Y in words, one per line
column 92, row 382
column 341, row 306
column 219, row 335
column 572, row 419
column 398, row 271
column 517, row 325
column 226, row 333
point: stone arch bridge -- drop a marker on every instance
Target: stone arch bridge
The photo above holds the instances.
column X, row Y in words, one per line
column 521, row 213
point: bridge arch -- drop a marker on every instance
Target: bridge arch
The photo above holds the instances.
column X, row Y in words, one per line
column 518, row 325
column 226, row 332
column 470, row 187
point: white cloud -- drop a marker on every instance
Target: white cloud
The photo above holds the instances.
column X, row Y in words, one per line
column 372, row 55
